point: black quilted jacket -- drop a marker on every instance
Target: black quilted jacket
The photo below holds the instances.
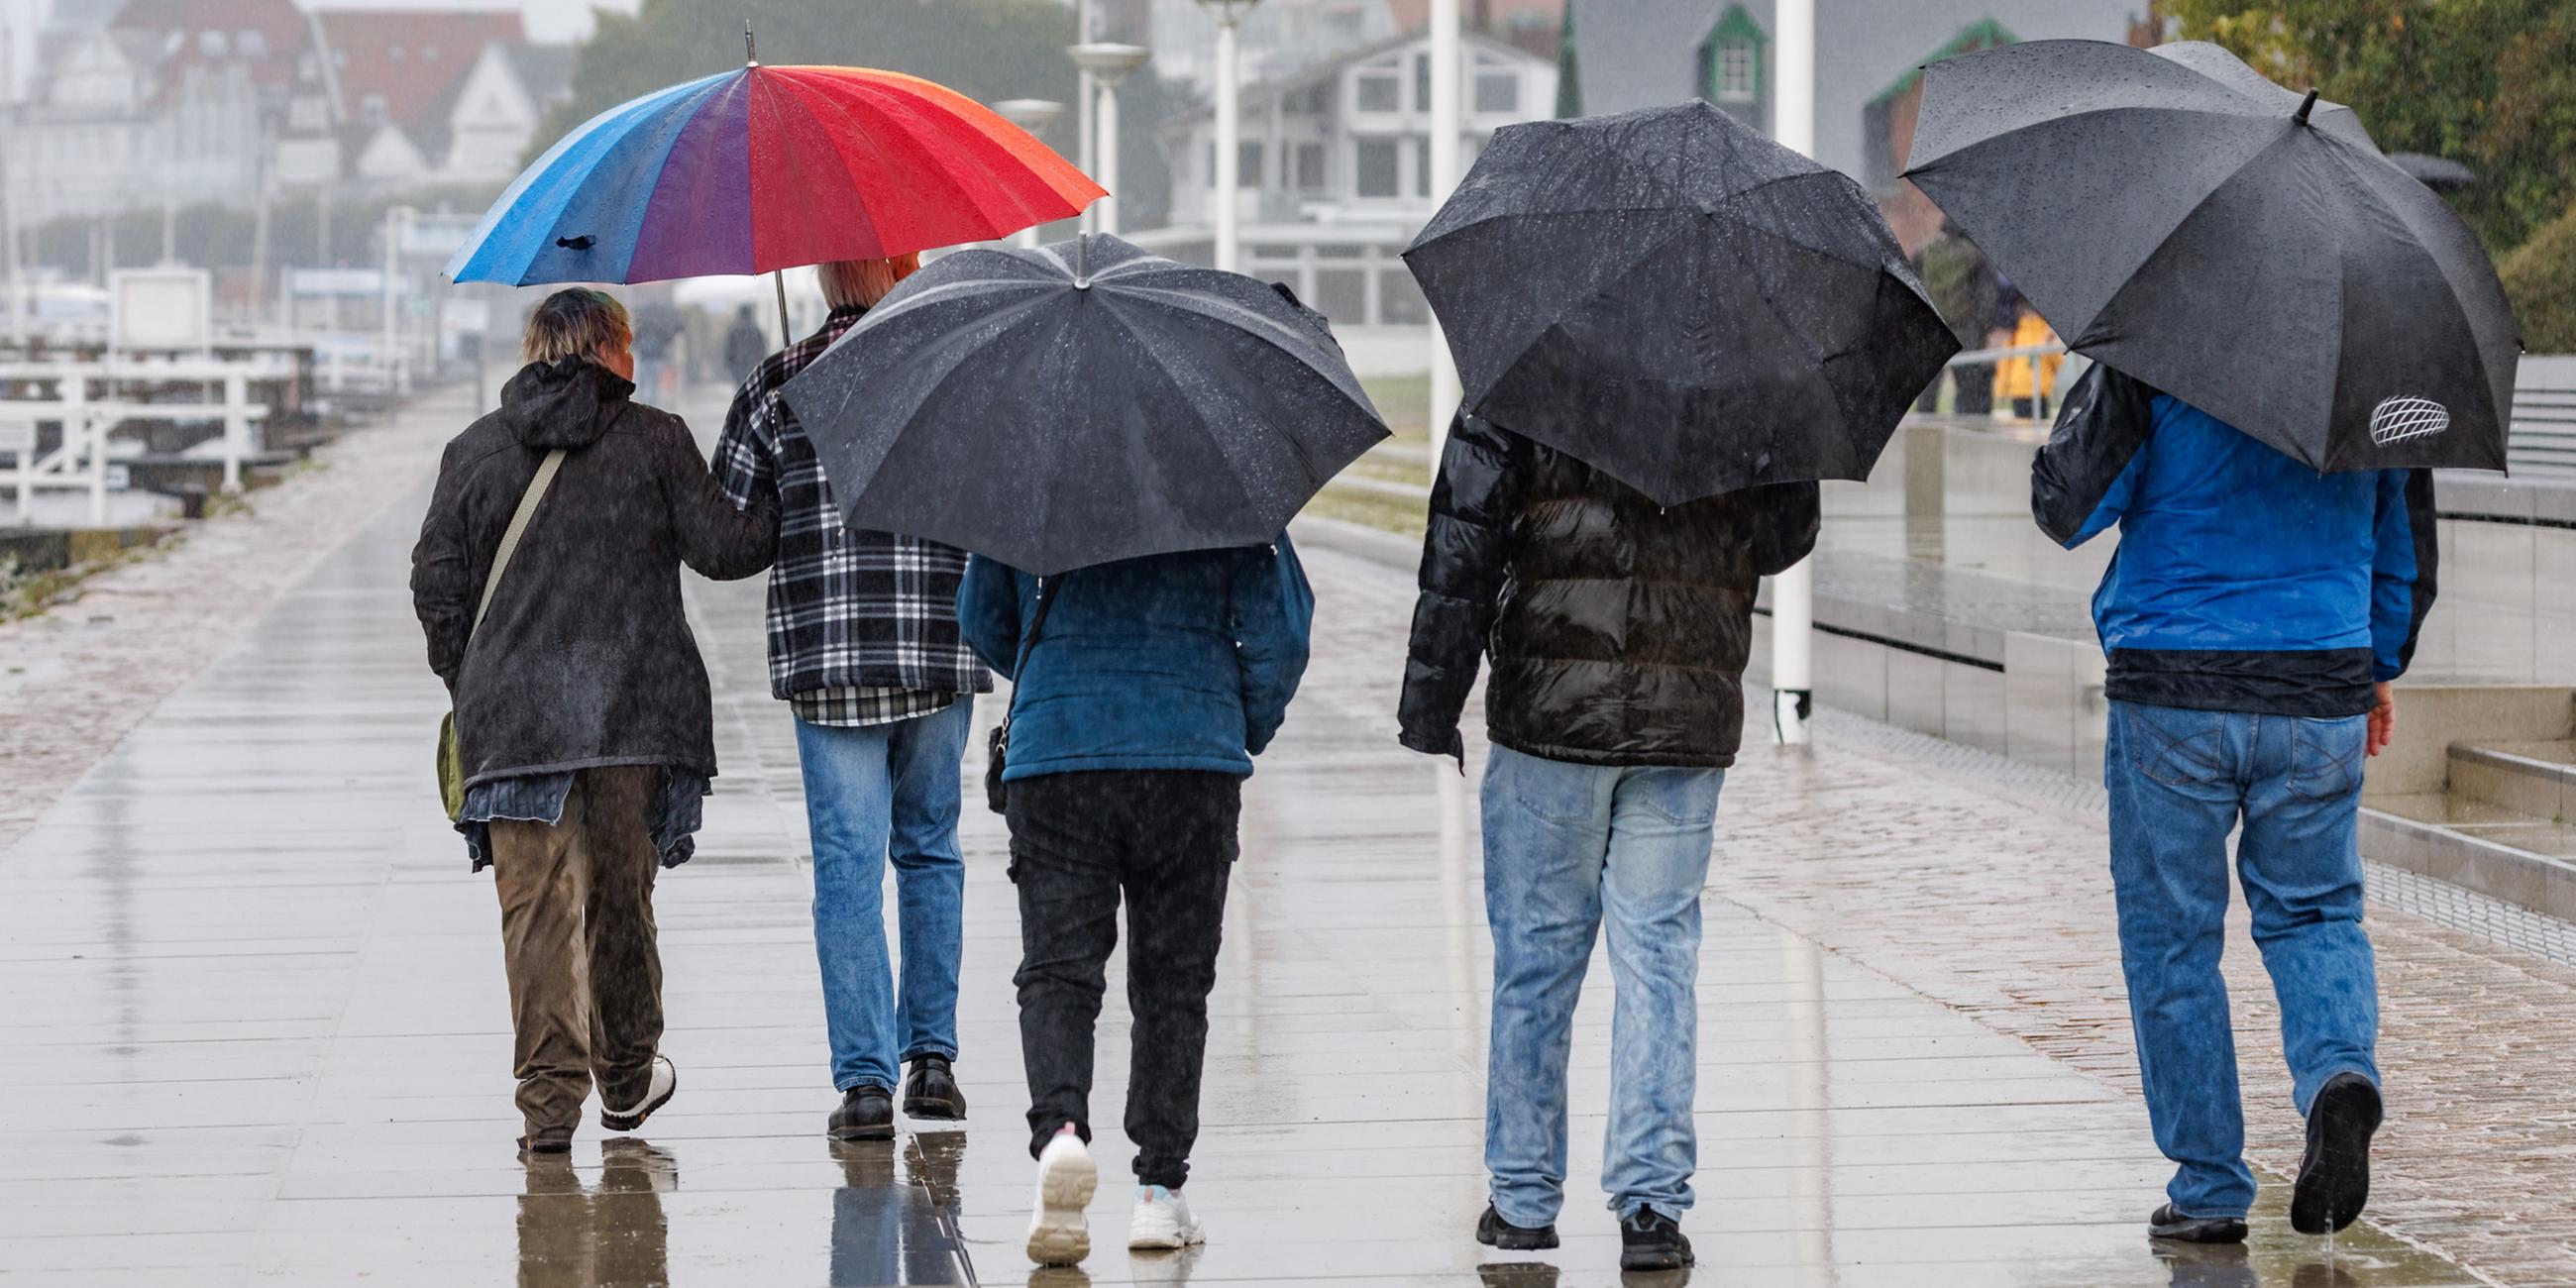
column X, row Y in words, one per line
column 1619, row 629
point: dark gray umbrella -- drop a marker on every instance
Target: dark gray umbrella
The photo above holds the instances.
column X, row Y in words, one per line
column 1679, row 301
column 1064, row 407
column 2241, row 247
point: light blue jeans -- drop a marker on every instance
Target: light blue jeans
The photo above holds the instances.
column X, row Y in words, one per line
column 2180, row 781
column 1568, row 847
column 874, row 793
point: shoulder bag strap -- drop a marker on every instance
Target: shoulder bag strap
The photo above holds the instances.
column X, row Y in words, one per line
column 518, row 528
column 1037, row 622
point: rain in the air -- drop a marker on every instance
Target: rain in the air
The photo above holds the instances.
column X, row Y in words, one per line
column 1064, row 642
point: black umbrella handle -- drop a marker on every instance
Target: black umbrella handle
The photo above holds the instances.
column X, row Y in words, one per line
column 2306, row 105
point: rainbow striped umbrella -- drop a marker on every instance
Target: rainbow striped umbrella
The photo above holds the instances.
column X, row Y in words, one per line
column 767, row 168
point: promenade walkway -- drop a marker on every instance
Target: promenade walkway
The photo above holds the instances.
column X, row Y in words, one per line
column 252, row 1022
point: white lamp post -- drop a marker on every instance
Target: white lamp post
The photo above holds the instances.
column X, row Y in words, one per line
column 1033, row 115
column 1086, row 95
column 1443, row 179
column 1108, row 65
column 1793, row 593
column 1225, row 189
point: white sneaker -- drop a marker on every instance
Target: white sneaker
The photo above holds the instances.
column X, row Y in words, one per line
column 1163, row 1220
column 657, row 1093
column 1058, row 1235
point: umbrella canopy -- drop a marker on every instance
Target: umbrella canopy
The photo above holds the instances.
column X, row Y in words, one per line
column 1079, row 404
column 2241, row 247
column 1679, row 301
column 767, row 168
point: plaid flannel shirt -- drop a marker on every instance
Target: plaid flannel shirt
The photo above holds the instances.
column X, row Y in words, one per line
column 847, row 610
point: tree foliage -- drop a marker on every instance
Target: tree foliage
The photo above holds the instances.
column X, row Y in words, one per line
column 2540, row 279
column 985, row 49
column 2489, row 83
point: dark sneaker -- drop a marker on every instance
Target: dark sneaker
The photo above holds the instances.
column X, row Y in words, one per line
column 931, row 1091
column 866, row 1113
column 658, row 1090
column 1495, row 1232
column 1649, row 1240
column 2334, row 1178
column 2169, row 1224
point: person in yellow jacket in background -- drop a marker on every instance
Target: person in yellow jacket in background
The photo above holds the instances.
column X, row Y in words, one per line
column 2013, row 383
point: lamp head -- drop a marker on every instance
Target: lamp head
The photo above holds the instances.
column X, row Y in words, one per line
column 1108, row 62
column 1031, row 114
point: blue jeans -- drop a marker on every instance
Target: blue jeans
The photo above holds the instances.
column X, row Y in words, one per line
column 874, row 793
column 2180, row 781
column 1568, row 847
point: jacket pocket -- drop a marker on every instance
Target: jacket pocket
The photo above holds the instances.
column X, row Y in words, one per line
column 2326, row 756
column 2178, row 747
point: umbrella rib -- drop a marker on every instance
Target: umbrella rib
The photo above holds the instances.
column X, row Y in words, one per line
column 1181, row 387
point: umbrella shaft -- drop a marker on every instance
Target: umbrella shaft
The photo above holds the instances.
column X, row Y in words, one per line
column 778, row 276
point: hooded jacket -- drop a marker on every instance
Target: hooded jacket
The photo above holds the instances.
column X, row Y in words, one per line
column 585, row 659
column 1619, row 628
column 2244, row 581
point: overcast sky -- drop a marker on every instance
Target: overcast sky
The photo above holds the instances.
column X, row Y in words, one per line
column 549, row 20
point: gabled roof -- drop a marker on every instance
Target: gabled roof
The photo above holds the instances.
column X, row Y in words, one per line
column 1983, row 34
column 415, row 59
column 208, row 33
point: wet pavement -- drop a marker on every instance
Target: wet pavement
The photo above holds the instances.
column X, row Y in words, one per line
column 252, row 1026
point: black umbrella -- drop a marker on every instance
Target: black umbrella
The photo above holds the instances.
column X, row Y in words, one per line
column 1679, row 301
column 1080, row 404
column 2241, row 247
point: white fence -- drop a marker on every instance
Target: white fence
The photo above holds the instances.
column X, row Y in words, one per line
column 91, row 398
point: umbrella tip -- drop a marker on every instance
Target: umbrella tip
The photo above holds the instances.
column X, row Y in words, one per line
column 2306, row 105
column 750, row 51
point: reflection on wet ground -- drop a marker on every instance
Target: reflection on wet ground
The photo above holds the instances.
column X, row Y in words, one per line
column 253, row 1030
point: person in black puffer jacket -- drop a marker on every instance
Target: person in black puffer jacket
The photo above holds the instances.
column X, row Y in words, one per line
column 1619, row 631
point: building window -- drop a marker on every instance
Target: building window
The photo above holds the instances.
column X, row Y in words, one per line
column 1498, row 92
column 213, row 43
column 1422, row 167
column 1310, row 168
column 371, row 109
column 1380, row 90
column 1422, row 82
column 1735, row 72
column 394, row 52
column 1377, row 175
column 252, row 44
column 1247, row 165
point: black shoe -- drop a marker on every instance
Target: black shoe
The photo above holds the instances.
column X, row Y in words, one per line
column 1495, row 1232
column 1649, row 1240
column 931, row 1091
column 534, row 1144
column 866, row 1113
column 2169, row 1224
column 2334, row 1178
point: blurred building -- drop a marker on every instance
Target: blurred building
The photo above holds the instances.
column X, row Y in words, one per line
column 1334, row 169
column 150, row 103
column 1618, row 55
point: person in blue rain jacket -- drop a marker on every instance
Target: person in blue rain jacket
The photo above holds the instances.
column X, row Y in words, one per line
column 1141, row 691
column 2253, row 616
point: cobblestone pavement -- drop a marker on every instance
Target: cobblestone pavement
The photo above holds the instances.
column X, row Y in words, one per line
column 252, row 1026
column 1983, row 884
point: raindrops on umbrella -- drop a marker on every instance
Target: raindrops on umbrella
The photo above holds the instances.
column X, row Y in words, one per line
column 2230, row 242
column 1080, row 404
column 1679, row 301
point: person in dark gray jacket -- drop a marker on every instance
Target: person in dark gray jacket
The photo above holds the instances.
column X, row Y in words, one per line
column 583, row 720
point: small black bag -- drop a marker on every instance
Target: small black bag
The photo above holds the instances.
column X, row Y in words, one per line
column 997, row 744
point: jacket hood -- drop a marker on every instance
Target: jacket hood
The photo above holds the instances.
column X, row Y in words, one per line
column 563, row 404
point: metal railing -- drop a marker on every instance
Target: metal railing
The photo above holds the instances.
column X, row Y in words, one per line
column 89, row 400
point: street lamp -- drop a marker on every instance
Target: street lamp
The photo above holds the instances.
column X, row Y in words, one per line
column 1793, row 592
column 1108, row 64
column 1033, row 115
column 1222, row 198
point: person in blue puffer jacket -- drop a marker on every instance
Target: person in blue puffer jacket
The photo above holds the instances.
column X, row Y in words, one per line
column 1141, row 691
column 2254, row 616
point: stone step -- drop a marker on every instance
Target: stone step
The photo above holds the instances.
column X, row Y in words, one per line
column 2536, row 779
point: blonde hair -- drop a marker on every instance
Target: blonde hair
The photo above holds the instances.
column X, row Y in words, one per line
column 576, row 323
column 860, row 283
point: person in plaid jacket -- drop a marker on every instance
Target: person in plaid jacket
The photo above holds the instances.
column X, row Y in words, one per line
column 864, row 649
